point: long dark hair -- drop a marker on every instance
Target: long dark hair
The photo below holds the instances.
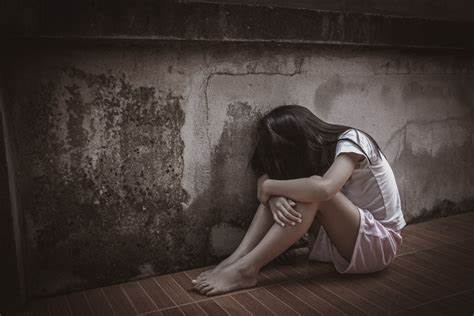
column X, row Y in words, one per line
column 292, row 143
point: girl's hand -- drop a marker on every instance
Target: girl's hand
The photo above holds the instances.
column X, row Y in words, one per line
column 283, row 211
column 261, row 194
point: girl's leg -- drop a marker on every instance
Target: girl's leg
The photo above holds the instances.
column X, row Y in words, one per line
column 243, row 272
column 339, row 217
column 261, row 223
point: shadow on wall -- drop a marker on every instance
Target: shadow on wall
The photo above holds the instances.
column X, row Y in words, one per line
column 227, row 207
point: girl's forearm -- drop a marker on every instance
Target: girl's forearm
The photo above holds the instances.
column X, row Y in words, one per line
column 304, row 190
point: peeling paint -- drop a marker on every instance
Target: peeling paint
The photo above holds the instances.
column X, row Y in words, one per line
column 107, row 160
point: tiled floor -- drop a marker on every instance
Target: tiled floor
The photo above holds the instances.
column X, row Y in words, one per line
column 433, row 274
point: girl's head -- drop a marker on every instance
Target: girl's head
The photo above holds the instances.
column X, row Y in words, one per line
column 292, row 142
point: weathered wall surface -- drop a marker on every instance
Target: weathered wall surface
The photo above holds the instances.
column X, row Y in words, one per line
column 133, row 160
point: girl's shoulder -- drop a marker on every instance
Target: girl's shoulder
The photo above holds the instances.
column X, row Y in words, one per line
column 353, row 134
column 358, row 137
column 348, row 132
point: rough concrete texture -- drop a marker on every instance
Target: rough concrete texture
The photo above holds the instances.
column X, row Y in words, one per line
column 440, row 9
column 264, row 21
column 133, row 160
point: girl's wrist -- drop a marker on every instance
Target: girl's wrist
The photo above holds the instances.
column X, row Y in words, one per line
column 266, row 186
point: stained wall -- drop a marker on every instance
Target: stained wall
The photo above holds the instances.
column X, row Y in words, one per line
column 132, row 160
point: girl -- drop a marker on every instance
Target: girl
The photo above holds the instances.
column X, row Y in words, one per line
column 310, row 170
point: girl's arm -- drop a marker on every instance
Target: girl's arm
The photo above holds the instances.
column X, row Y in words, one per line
column 315, row 188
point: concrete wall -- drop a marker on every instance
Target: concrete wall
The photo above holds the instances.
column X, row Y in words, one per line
column 132, row 159
column 432, row 9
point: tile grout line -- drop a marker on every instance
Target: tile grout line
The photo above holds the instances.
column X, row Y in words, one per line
column 457, row 223
column 159, row 311
column 179, row 308
column 444, row 234
column 184, row 290
column 129, row 299
column 261, row 302
column 107, row 300
column 171, row 299
column 454, row 263
column 425, row 239
column 278, row 284
column 373, row 302
column 399, row 292
column 441, row 235
column 435, row 300
column 241, row 305
column 192, row 299
column 271, row 294
column 88, row 303
column 430, row 239
column 347, row 288
column 206, row 313
column 342, row 298
column 430, row 268
column 222, row 307
column 299, row 299
column 184, row 304
column 422, row 269
column 429, row 248
column 345, row 300
column 400, row 279
column 146, row 293
column 68, row 304
column 313, row 294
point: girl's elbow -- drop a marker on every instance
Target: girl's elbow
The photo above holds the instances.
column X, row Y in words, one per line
column 323, row 190
column 329, row 194
column 326, row 194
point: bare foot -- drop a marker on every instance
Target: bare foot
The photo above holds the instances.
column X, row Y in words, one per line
column 227, row 279
column 224, row 263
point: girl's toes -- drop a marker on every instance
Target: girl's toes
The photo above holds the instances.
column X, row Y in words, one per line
column 201, row 281
column 206, row 289
column 201, row 278
column 199, row 286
